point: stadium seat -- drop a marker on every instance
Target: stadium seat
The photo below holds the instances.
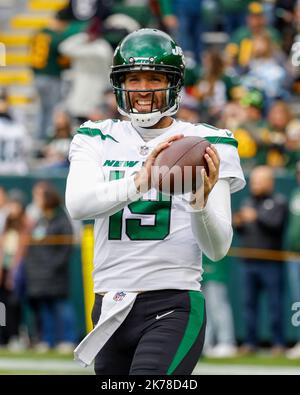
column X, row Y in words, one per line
column 29, row 21
column 46, row 5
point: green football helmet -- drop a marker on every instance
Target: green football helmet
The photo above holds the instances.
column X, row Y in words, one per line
column 144, row 50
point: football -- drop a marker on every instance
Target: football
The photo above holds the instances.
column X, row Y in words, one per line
column 177, row 169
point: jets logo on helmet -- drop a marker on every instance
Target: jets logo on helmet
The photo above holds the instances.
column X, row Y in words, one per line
column 144, row 50
column 177, row 51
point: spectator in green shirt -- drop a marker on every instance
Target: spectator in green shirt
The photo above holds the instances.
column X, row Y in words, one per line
column 240, row 47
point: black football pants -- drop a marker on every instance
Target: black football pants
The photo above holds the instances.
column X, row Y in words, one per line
column 163, row 334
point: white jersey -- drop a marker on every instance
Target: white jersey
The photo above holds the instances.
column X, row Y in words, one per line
column 148, row 245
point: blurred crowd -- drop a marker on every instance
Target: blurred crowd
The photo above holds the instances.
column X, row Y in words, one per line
column 242, row 73
column 36, row 243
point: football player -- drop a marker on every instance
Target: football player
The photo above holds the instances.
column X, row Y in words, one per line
column 149, row 312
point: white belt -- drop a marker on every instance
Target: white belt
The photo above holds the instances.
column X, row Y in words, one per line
column 115, row 308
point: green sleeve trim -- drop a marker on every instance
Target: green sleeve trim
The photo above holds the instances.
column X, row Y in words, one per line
column 222, row 140
column 209, row 126
column 95, row 132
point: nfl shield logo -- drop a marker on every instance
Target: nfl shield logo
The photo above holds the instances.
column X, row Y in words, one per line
column 119, row 296
column 144, row 150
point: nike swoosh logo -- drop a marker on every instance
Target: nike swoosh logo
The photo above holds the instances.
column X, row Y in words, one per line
column 229, row 134
column 158, row 317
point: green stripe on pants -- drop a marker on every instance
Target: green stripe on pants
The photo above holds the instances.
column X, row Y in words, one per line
column 193, row 329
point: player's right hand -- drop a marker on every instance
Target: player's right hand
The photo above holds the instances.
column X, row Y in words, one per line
column 199, row 198
column 142, row 178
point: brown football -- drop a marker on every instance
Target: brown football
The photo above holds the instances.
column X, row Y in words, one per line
column 177, row 169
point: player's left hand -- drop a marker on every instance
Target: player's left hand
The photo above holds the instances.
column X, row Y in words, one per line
column 199, row 198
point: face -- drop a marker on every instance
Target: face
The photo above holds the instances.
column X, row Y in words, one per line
column 3, row 106
column 145, row 81
column 279, row 117
column 256, row 22
column 38, row 195
column 261, row 181
column 233, row 115
column 15, row 209
column 61, row 119
column 253, row 113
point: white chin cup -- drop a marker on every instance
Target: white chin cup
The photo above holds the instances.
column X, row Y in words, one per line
column 142, row 120
column 145, row 120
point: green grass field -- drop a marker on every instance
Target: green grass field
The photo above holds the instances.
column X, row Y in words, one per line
column 254, row 360
column 32, row 363
column 52, row 363
column 34, row 355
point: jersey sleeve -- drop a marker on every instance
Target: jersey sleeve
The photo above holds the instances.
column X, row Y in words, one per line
column 83, row 148
column 230, row 166
column 88, row 194
column 87, row 144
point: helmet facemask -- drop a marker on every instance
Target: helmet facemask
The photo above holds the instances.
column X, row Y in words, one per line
column 123, row 96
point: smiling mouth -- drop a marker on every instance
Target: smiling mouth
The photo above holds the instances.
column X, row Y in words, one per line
column 145, row 106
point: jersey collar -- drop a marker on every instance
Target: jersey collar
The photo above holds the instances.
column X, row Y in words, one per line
column 149, row 135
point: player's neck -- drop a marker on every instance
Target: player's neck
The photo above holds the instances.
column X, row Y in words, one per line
column 156, row 130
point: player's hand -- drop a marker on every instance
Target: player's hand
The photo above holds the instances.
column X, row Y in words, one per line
column 199, row 198
column 142, row 178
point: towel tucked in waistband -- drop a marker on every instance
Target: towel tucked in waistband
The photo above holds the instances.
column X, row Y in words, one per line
column 115, row 308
